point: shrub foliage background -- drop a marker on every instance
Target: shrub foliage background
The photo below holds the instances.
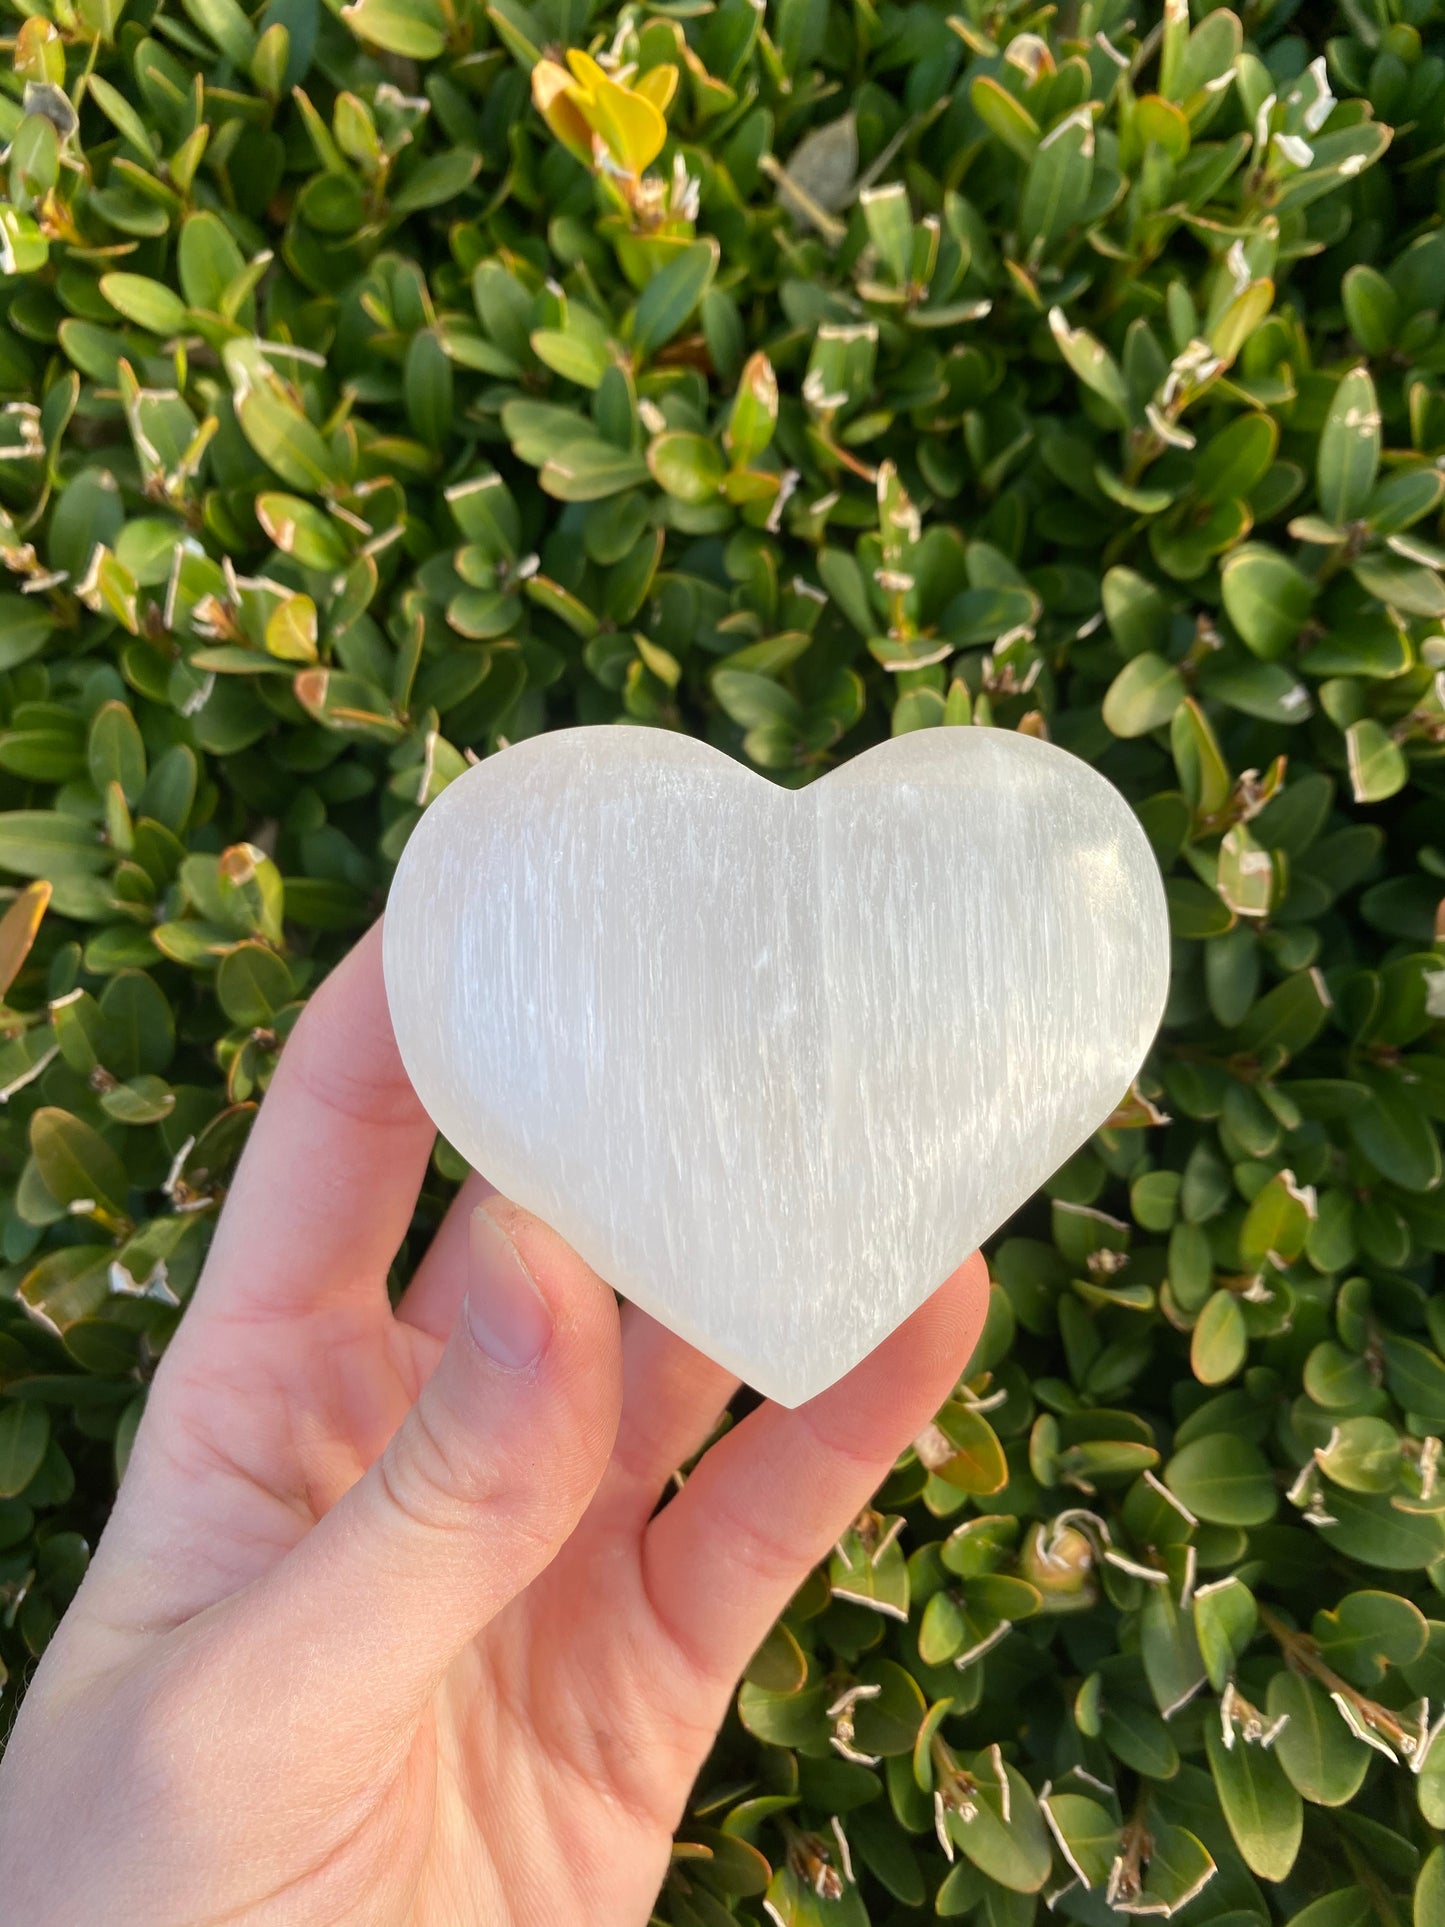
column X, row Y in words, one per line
column 378, row 386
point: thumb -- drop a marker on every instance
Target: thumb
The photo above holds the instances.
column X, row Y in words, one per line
column 477, row 1490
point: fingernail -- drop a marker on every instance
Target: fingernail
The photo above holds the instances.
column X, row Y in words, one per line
column 508, row 1316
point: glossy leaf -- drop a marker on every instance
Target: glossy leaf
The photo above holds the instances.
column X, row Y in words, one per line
column 1319, row 1754
column 1266, row 597
column 1263, row 1811
column 1349, row 456
column 671, row 296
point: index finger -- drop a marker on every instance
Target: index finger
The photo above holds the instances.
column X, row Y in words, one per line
column 723, row 1558
column 329, row 1178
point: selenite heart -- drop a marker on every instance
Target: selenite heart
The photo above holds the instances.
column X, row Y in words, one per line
column 775, row 1061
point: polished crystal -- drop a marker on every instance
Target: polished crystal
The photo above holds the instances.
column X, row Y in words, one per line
column 774, row 1061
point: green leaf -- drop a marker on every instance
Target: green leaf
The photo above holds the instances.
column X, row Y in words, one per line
column 734, row 1866
column 1004, row 115
column 115, row 752
column 1203, row 773
column 580, row 351
column 1180, row 1867
column 1086, row 1834
column 25, row 628
column 1225, row 1618
column 888, row 1722
column 1377, row 763
column 1393, row 1132
column 1234, row 462
column 228, row 25
column 1403, row 498
column 1263, row 1811
column 755, row 701
column 1372, row 308
column 427, row 385
column 208, row 260
column 78, row 1168
column 1093, row 364
column 1173, row 1664
column 1016, row 1850
column 1137, row 614
column 1143, row 696
column 873, row 1576
column 1430, row 1891
column 1400, row 582
column 44, row 843
column 1140, row 1738
column 1349, row 453
column 754, row 413
column 687, row 466
column 883, row 1848
column 415, row 29
column 1415, row 1375
column 984, row 614
column 794, row 1902
column 486, row 513
column 139, row 1030
column 1277, row 1223
column 24, row 1435
column 569, row 608
column 1245, row 874
column 586, row 471
column 1368, row 1632
column 436, row 182
column 1058, row 180
column 1223, row 1479
column 253, row 985
column 969, row 1455
column 1195, row 910
column 787, row 1719
column 1264, row 690
column 150, row 304
column 1319, row 1754
column 34, row 159
column 277, row 427
column 1193, row 63
column 1240, row 319
column 19, row 926
column 120, row 113
column 145, row 1100
column 1336, row 1378
column 300, row 529
column 1383, row 1531
column 1362, row 1453
column 1266, row 597
column 1346, row 1907
column 1288, row 1018
column 1219, row 1343
column 889, row 221
column 670, row 298
column 1369, row 644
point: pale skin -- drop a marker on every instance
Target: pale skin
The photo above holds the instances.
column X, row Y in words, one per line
column 385, row 1629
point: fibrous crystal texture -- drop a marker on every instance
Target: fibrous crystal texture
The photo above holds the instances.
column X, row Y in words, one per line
column 775, row 1061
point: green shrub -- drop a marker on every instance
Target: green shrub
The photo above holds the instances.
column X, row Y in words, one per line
column 368, row 402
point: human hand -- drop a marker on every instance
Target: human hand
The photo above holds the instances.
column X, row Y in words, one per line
column 383, row 1628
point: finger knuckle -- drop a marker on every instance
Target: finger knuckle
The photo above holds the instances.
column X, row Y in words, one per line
column 429, row 1478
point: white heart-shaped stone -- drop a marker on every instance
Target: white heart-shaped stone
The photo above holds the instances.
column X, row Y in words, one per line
column 774, row 1061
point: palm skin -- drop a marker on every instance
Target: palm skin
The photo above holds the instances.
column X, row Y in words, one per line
column 382, row 1631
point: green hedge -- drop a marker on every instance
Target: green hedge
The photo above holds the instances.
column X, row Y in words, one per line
column 377, row 388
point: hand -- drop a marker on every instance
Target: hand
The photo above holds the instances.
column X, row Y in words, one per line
column 383, row 1628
